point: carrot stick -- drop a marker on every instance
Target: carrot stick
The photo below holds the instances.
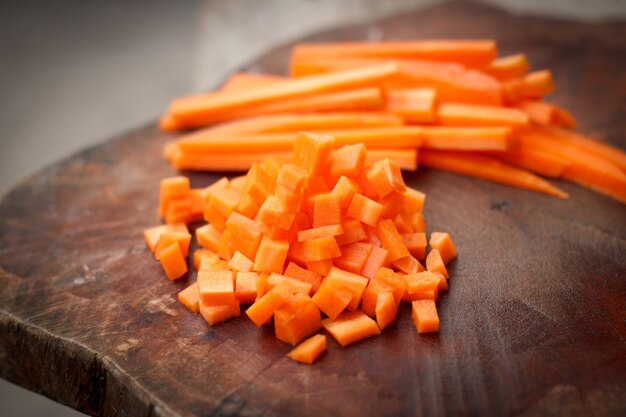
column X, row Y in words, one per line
column 453, row 114
column 546, row 113
column 206, row 107
column 468, row 52
column 243, row 80
column 413, row 105
column 534, row 160
column 507, row 67
column 487, row 168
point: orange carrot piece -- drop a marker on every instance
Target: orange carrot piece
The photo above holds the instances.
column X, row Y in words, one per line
column 453, row 114
column 153, row 234
column 475, row 53
column 173, row 261
column 508, row 67
column 403, row 222
column 443, row 281
column 212, row 107
column 311, row 151
column 377, row 259
column 226, row 248
column 387, row 280
column 271, row 255
column 168, row 238
column 332, row 297
column 391, row 240
column 416, row 244
column 350, row 327
column 288, row 201
column 297, row 286
column 245, row 287
column 321, row 267
column 218, row 314
column 293, row 177
column 443, row 243
column 172, row 188
column 317, row 232
column 216, row 287
column 386, row 310
column 259, row 184
column 488, row 169
column 211, row 264
column 364, row 209
column 190, row 298
column 434, row 263
column 408, row 265
column 239, row 263
column 203, row 253
column 421, row 286
column 425, row 318
column 413, row 105
column 417, row 221
column 352, row 232
column 349, row 160
column 353, row 257
column 345, row 188
column 305, row 275
column 264, row 307
column 309, row 350
column 243, row 80
column 386, row 177
column 296, row 319
column 317, row 249
column 261, row 284
column 271, row 213
column 536, row 84
column 245, row 234
column 326, row 210
column 356, row 283
column 546, row 114
column 534, row 160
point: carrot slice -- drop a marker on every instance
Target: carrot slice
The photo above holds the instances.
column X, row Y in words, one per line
column 468, row 52
column 297, row 286
column 416, row 244
column 386, row 177
column 322, row 231
column 443, row 243
column 311, row 151
column 386, row 310
column 349, row 160
column 293, row 177
column 296, row 319
column 326, row 210
column 208, row 107
column 354, row 282
column 350, row 327
column 313, row 250
column 190, row 298
column 309, row 350
column 425, row 316
column 173, row 261
column 408, row 265
column 488, row 169
column 377, row 259
column 352, row 232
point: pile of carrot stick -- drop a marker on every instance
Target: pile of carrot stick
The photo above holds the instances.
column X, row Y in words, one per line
column 449, row 105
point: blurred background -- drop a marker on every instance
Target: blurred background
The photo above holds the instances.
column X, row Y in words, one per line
column 75, row 73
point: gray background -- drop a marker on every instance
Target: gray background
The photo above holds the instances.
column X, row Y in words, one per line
column 75, row 73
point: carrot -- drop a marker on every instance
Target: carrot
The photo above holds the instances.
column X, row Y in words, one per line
column 452, row 114
column 415, row 243
column 203, row 253
column 244, row 80
column 190, row 298
column 413, row 105
column 314, row 250
column 364, row 210
column 264, row 307
column 153, row 234
column 353, row 257
column 468, row 52
column 350, row 327
column 536, row 84
column 216, row 287
column 304, row 275
column 166, row 239
column 508, row 67
column 173, row 261
column 287, row 201
column 246, row 236
column 425, row 316
column 417, row 221
column 434, row 262
column 311, row 151
column 443, row 243
column 332, row 297
column 171, row 189
column 377, row 259
column 212, row 107
column 348, row 160
column 271, row 255
column 245, row 287
column 352, row 232
column 421, row 286
column 385, row 177
column 296, row 319
column 240, row 263
column 391, row 240
column 546, row 113
column 309, row 350
column 386, row 310
column 217, row 314
column 487, row 168
column 322, row 231
column 534, row 160
column 408, row 265
column 296, row 285
column 272, row 213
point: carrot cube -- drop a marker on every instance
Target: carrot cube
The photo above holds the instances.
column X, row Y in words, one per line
column 173, row 261
column 434, row 263
column 293, row 177
column 386, row 310
column 296, row 285
column 271, row 255
column 443, row 243
column 248, row 205
column 416, row 244
column 314, row 250
column 239, row 263
column 216, row 287
column 296, row 319
column 393, row 204
column 349, row 160
column 264, row 307
column 356, row 283
column 259, row 184
column 311, row 151
column 183, row 239
column 320, row 267
column 353, row 257
column 332, row 297
column 350, row 327
column 190, row 297
column 345, row 188
column 203, row 253
column 217, row 314
column 425, row 318
column 226, row 248
column 271, row 213
column 408, row 265
column 414, row 200
column 353, row 231
column 326, row 210
column 172, row 188
column 153, row 234
column 364, row 209
column 309, row 350
column 418, row 223
column 304, row 275
column 288, row 201
column 386, row 177
column 403, row 223
column 245, row 234
column 421, row 286
column 272, row 167
column 245, row 287
column 377, row 259
column 323, row 231
column 391, row 240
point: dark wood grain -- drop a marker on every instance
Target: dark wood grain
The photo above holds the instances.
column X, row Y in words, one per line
column 534, row 323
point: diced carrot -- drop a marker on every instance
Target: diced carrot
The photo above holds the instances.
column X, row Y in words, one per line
column 218, row 314
column 386, row 177
column 217, row 185
column 353, row 257
column 226, row 248
column 309, row 350
column 386, row 310
column 356, row 283
column 345, row 188
column 190, row 298
column 245, row 287
column 489, row 169
column 153, row 234
column 239, row 263
column 320, row 267
column 211, row 264
column 418, row 223
column 272, row 167
column 434, row 263
column 443, row 281
column 384, row 280
column 323, row 231
column 296, row 319
column 182, row 238
column 248, row 205
column 508, row 67
column 408, row 265
column 443, row 243
column 264, row 307
column 178, row 210
column 393, row 204
column 305, row 275
column 259, row 184
column 425, row 316
column 288, row 201
column 326, row 210
column 297, row 286
column 391, row 240
column 453, row 114
column 243, row 80
column 270, row 213
column 416, row 244
column 173, row 261
column 271, row 255
column 349, row 160
column 261, row 284
column 364, row 209
column 224, row 202
column 293, row 177
column 316, row 249
column 352, row 232
column 203, row 253
column 421, row 286
column 311, row 151
column 172, row 188
column 350, row 327
column 370, row 236
column 403, row 222
column 377, row 259
column 332, row 297
column 413, row 105
column 216, row 287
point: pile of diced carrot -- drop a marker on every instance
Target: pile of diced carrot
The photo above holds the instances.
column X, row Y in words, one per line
column 465, row 109
column 330, row 234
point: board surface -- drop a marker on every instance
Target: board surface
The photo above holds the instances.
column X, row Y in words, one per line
column 534, row 322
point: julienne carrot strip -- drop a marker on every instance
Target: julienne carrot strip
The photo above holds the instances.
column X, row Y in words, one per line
column 487, row 168
column 467, row 52
column 413, row 105
column 508, row 67
column 244, row 80
column 546, row 113
column 534, row 160
column 452, row 114
column 213, row 105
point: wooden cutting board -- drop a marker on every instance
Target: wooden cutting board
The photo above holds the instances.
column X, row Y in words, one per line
column 534, row 323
